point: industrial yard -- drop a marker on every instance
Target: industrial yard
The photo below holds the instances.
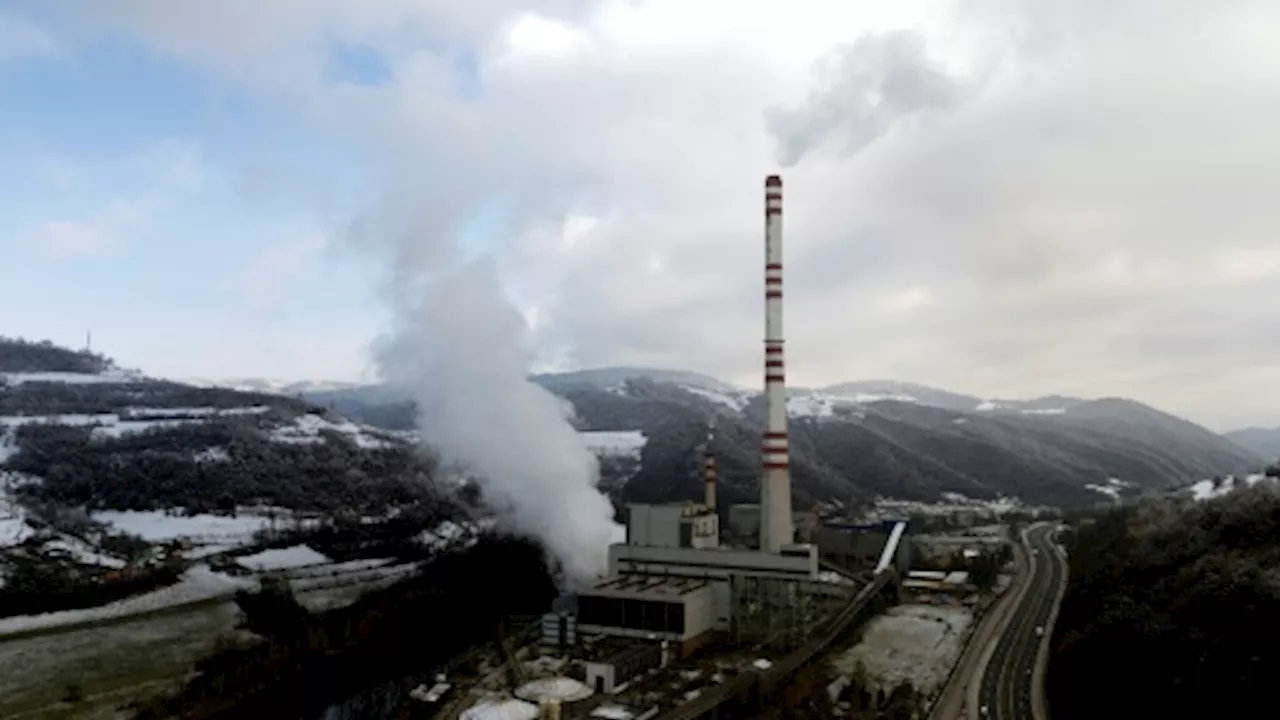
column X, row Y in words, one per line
column 914, row 644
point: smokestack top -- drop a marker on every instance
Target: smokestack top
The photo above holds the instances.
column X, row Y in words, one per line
column 773, row 181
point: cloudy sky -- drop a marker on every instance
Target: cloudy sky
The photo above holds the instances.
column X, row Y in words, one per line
column 1004, row 197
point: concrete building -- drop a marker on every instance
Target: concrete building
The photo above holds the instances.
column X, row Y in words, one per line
column 858, row 546
column 675, row 525
column 618, row 663
column 647, row 607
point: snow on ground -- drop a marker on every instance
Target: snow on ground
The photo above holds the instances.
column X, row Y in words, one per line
column 815, row 406
column 83, row 552
column 193, row 412
column 306, row 429
column 199, row 583
column 954, row 503
column 282, row 558
column 824, row 405
column 13, row 523
column 132, row 420
column 112, row 375
column 8, row 446
column 156, row 526
column 736, row 401
column 1044, row 411
column 213, row 454
column 1112, row 488
column 1205, row 489
column 623, row 443
column 919, row 643
column 1110, row 491
column 987, row 405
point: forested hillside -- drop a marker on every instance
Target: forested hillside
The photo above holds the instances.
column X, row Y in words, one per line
column 18, row 355
column 89, row 435
column 890, row 440
column 1263, row 441
column 1171, row 611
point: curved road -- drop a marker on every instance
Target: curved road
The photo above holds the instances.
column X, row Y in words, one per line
column 1007, row 682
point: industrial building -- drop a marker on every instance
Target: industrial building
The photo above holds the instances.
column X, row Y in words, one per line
column 675, row 585
column 858, row 546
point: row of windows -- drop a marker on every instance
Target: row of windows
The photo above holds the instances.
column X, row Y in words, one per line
column 647, row 615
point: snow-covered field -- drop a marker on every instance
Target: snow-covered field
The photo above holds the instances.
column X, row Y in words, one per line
column 815, row 404
column 282, row 558
column 302, row 429
column 622, row 443
column 111, row 376
column 133, row 420
column 307, row 429
column 157, row 527
column 1208, row 489
column 918, row 643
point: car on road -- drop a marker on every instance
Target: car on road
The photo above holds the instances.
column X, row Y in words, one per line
column 985, row 711
column 1039, row 631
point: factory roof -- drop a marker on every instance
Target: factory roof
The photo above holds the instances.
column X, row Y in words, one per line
column 650, row 584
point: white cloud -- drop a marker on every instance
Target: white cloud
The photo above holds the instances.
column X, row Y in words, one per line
column 176, row 164
column 1064, row 182
column 100, row 234
column 20, row 38
column 270, row 276
column 60, row 172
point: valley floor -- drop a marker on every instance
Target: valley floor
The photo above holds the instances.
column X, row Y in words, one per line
column 109, row 666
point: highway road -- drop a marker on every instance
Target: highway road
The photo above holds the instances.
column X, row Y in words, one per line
column 1006, row 689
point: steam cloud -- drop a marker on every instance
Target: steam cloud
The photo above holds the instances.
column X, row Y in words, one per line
column 457, row 345
column 879, row 80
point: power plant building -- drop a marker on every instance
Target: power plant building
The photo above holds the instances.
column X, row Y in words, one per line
column 673, row 581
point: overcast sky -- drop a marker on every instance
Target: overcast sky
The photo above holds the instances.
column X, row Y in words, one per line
column 1002, row 197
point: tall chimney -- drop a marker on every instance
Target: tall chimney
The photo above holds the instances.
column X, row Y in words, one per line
column 775, row 483
column 709, row 478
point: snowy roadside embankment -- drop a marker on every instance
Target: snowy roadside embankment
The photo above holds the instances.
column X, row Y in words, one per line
column 199, row 583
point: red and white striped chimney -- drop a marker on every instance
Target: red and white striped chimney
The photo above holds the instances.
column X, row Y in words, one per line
column 775, row 483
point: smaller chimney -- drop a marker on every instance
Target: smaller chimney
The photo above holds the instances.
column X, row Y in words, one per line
column 709, row 477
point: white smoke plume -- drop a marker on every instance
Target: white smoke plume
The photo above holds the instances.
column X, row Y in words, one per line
column 457, row 344
column 864, row 89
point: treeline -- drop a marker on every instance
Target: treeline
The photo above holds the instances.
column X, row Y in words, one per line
column 58, row 398
column 1171, row 611
column 676, row 424
column 19, row 355
column 314, row 661
column 158, row 469
column 35, row 585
